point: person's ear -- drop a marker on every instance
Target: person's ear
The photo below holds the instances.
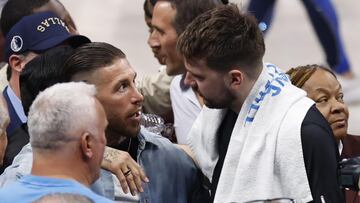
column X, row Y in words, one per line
column 235, row 78
column 87, row 145
column 16, row 63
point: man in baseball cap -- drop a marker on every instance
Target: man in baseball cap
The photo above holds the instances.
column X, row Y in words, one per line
column 28, row 38
column 39, row 32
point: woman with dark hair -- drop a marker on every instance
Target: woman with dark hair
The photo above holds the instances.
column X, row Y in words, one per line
column 322, row 86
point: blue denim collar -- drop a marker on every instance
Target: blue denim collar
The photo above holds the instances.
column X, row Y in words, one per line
column 145, row 137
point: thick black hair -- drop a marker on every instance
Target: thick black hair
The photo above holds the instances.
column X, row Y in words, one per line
column 42, row 72
column 89, row 57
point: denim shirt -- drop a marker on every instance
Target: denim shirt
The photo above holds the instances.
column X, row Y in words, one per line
column 173, row 175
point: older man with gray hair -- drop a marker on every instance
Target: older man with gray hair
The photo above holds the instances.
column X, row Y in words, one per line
column 68, row 140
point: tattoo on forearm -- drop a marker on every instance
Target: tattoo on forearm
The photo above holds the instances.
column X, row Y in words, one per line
column 110, row 154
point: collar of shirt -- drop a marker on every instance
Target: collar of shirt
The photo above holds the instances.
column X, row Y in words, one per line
column 16, row 102
column 147, row 138
column 47, row 181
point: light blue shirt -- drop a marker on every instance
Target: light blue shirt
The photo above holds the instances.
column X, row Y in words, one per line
column 16, row 102
column 173, row 175
column 30, row 188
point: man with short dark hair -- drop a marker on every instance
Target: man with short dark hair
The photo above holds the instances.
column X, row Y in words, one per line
column 169, row 20
column 259, row 137
column 156, row 87
column 108, row 69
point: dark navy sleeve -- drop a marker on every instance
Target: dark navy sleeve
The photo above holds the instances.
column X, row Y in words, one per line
column 321, row 158
column 200, row 189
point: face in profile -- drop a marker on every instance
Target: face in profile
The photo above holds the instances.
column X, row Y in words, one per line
column 152, row 41
column 210, row 85
column 165, row 35
column 119, row 96
column 326, row 91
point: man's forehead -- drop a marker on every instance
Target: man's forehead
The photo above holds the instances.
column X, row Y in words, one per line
column 193, row 63
column 119, row 70
column 120, row 67
column 163, row 12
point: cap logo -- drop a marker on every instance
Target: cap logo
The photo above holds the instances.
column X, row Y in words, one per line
column 16, row 43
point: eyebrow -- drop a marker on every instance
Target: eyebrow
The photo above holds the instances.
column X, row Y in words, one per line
column 320, row 89
column 196, row 75
column 157, row 28
column 119, row 82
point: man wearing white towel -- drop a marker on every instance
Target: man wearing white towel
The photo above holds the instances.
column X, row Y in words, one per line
column 258, row 137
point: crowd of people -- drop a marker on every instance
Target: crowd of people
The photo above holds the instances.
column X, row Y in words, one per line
column 238, row 129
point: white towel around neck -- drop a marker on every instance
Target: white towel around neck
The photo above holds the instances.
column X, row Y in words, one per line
column 264, row 159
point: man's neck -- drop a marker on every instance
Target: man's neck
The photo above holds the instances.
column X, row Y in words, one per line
column 129, row 145
column 242, row 94
column 238, row 102
column 199, row 98
column 58, row 168
column 123, row 143
column 114, row 138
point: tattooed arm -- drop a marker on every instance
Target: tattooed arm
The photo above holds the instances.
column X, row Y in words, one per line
column 118, row 162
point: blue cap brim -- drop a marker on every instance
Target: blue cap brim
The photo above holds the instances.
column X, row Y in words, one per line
column 73, row 40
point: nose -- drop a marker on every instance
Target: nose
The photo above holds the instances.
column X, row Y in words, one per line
column 153, row 40
column 337, row 106
column 189, row 80
column 137, row 98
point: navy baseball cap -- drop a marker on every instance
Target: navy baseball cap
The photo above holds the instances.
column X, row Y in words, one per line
column 39, row 32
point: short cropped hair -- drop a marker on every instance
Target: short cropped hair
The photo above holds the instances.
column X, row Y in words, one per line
column 223, row 37
column 42, row 72
column 60, row 111
column 148, row 6
column 299, row 75
column 14, row 10
column 89, row 57
column 188, row 10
